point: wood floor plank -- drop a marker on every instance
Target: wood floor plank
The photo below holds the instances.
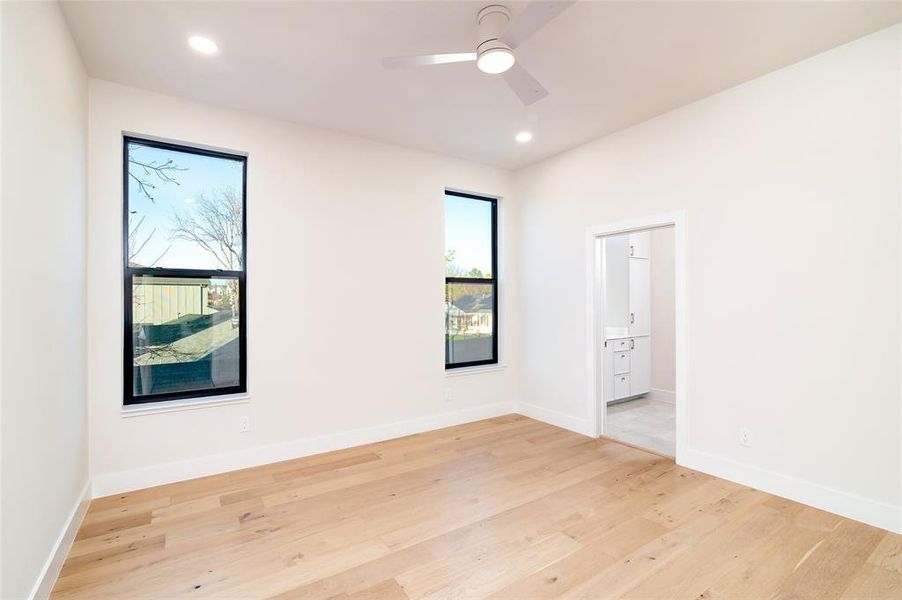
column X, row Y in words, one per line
column 691, row 573
column 579, row 566
column 759, row 573
column 874, row 583
column 493, row 574
column 829, row 568
column 888, row 553
column 96, row 528
column 97, row 515
column 616, row 579
column 506, row 507
column 385, row 590
column 114, row 554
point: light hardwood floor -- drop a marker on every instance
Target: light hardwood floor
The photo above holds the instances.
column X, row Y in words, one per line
column 506, row 507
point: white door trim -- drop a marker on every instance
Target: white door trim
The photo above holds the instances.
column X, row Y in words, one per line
column 595, row 315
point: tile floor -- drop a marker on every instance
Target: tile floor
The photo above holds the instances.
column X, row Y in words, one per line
column 644, row 422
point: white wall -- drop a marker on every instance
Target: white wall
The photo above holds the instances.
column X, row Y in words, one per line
column 663, row 317
column 44, row 445
column 343, row 234
column 790, row 184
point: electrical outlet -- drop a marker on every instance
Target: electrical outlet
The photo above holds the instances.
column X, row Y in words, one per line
column 244, row 424
column 447, row 394
column 745, row 437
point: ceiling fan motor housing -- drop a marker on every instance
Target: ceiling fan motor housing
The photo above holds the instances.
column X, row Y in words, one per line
column 493, row 20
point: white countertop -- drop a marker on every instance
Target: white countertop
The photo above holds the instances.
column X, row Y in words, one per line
column 619, row 333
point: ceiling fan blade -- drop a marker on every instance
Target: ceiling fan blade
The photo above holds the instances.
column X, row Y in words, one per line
column 536, row 15
column 425, row 60
column 527, row 88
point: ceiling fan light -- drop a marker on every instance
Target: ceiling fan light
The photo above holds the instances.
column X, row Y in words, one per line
column 203, row 45
column 496, row 60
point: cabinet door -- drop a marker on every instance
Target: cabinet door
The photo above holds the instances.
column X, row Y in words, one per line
column 607, row 392
column 622, row 386
column 640, row 309
column 640, row 365
column 639, row 243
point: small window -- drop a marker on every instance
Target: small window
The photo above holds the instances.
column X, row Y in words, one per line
column 184, row 253
column 471, row 285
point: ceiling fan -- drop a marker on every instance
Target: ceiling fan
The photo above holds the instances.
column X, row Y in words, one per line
column 498, row 38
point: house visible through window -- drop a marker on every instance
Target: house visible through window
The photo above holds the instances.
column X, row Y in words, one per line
column 471, row 286
column 184, row 253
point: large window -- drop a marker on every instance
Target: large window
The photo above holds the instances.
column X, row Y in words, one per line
column 184, row 254
column 471, row 285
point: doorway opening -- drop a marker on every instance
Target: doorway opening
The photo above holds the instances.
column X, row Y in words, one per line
column 639, row 390
column 637, row 293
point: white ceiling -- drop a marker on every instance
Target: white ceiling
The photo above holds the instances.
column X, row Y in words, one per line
column 607, row 65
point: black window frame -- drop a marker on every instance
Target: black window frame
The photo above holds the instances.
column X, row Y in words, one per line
column 493, row 281
column 130, row 272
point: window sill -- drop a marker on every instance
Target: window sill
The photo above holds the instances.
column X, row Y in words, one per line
column 138, row 410
column 474, row 370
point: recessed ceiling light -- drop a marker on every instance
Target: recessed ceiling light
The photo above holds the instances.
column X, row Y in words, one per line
column 203, row 45
column 523, row 137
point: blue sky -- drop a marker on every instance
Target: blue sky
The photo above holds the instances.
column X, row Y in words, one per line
column 468, row 231
column 202, row 175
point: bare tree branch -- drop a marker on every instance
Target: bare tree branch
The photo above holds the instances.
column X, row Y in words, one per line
column 214, row 223
column 142, row 172
column 162, row 171
column 137, row 241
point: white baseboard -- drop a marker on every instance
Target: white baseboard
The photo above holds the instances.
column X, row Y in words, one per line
column 553, row 417
column 659, row 395
column 47, row 579
column 878, row 514
column 106, row 484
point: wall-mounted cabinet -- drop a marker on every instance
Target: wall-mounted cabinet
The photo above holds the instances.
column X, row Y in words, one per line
column 639, row 300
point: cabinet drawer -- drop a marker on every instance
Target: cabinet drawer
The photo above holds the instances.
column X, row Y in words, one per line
column 621, row 362
column 621, row 386
column 620, row 345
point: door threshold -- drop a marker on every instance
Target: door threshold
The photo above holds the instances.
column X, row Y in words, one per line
column 656, row 453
